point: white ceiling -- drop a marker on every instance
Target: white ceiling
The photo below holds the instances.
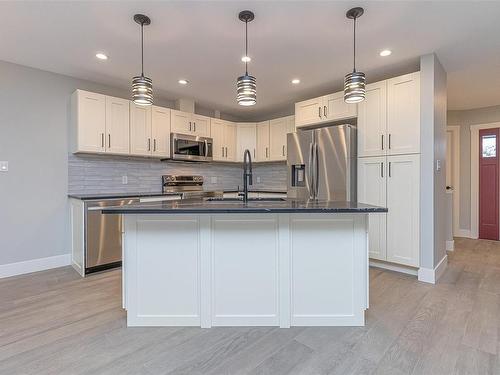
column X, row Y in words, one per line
column 204, row 41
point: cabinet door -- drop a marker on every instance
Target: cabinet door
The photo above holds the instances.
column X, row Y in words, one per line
column 278, row 129
column 334, row 107
column 117, row 125
column 90, row 122
column 372, row 121
column 372, row 174
column 263, row 141
column 180, row 122
column 218, row 147
column 160, row 129
column 201, row 125
column 291, row 124
column 403, row 114
column 403, row 218
column 140, row 130
column 230, row 141
column 309, row 112
column 246, row 135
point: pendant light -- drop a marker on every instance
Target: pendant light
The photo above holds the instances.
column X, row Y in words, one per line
column 142, row 87
column 354, row 83
column 246, row 86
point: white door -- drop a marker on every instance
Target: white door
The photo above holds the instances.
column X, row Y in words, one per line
column 160, row 129
column 117, row 125
column 140, row 130
column 246, row 139
column 278, row 129
column 218, row 146
column 372, row 185
column 403, row 218
column 372, row 121
column 91, row 121
column 334, row 107
column 309, row 112
column 403, row 114
column 180, row 122
column 263, row 141
column 230, row 141
column 201, row 125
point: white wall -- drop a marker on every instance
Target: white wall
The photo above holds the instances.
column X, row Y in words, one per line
column 34, row 121
column 465, row 119
column 433, row 148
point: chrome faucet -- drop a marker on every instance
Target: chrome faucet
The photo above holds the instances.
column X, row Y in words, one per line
column 247, row 174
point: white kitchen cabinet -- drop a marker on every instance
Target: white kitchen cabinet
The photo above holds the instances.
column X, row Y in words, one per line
column 403, row 114
column 324, row 109
column 263, row 141
column 190, row 123
column 140, row 130
column 403, row 202
column 372, row 189
column 88, row 122
column 224, row 140
column 160, row 130
column 278, row 129
column 246, row 135
column 372, row 121
column 117, row 126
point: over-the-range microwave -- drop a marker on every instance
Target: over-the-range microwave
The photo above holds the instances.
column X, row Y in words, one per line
column 189, row 147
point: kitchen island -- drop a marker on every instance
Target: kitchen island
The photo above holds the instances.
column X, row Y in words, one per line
column 260, row 263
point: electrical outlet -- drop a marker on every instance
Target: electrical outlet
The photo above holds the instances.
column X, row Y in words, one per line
column 213, row 179
column 258, row 179
column 4, row 166
column 124, row 180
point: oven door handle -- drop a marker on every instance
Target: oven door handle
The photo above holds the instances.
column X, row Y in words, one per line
column 206, row 148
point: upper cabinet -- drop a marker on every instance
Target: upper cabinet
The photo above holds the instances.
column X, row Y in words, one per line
column 263, row 141
column 324, row 109
column 190, row 123
column 278, row 129
column 100, row 123
column 149, row 131
column 160, row 131
column 246, row 139
column 224, row 140
column 389, row 117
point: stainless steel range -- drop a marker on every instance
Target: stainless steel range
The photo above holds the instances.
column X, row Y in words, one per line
column 188, row 187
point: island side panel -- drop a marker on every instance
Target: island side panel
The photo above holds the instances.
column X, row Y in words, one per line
column 162, row 257
column 328, row 269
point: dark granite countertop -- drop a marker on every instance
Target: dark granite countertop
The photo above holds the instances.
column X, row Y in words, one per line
column 197, row 206
column 85, row 197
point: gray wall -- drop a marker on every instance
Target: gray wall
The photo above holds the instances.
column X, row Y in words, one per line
column 433, row 148
column 465, row 119
column 34, row 120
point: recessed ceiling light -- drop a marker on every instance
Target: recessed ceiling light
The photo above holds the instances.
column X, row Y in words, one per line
column 385, row 52
column 183, row 81
column 101, row 56
column 295, row 81
column 246, row 59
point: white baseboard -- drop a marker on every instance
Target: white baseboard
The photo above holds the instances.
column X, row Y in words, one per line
column 34, row 265
column 393, row 267
column 429, row 275
column 466, row 233
column 450, row 245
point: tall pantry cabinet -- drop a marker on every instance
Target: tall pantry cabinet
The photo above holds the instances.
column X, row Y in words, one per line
column 389, row 167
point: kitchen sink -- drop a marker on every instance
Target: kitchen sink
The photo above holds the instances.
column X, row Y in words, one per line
column 270, row 199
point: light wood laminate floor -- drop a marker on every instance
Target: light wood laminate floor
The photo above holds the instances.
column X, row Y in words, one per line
column 54, row 322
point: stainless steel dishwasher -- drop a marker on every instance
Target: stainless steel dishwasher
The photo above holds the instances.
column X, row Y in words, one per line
column 103, row 235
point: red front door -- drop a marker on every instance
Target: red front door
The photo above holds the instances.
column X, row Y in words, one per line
column 488, row 184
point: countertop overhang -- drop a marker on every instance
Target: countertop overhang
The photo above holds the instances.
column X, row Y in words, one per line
column 197, row 206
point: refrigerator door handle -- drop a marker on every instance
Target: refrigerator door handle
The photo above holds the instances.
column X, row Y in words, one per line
column 316, row 171
column 310, row 171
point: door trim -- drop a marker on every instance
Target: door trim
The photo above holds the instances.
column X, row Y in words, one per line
column 474, row 175
column 455, row 134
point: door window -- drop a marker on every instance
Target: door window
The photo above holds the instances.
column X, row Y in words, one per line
column 489, row 146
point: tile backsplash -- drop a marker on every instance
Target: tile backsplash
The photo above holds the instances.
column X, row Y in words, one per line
column 91, row 174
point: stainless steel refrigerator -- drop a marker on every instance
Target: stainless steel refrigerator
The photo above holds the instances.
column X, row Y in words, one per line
column 322, row 163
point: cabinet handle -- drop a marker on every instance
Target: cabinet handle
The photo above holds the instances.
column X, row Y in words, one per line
column 382, row 169
column 226, row 152
column 194, row 126
column 254, row 153
column 222, row 151
column 102, row 140
column 266, row 152
column 154, row 144
column 319, row 112
column 390, row 169
column 382, row 141
column 109, row 140
column 324, row 110
column 149, row 144
column 389, row 141
column 283, row 150
column 189, row 125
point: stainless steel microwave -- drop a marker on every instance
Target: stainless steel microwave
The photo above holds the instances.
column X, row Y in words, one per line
column 189, row 147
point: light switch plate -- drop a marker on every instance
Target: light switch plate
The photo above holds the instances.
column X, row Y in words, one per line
column 213, row 179
column 438, row 165
column 4, row 166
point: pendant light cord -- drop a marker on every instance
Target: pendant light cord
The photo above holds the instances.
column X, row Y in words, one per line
column 142, row 49
column 246, row 47
column 354, row 54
